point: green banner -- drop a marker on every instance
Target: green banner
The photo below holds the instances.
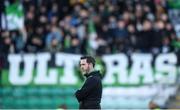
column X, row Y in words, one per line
column 62, row 69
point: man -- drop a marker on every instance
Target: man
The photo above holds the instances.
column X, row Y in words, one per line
column 89, row 96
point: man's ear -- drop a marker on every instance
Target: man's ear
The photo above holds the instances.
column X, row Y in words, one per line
column 91, row 65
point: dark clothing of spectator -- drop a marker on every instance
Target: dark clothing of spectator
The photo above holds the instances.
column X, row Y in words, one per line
column 145, row 40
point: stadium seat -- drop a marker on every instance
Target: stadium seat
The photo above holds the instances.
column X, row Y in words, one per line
column 44, row 91
column 7, row 91
column 19, row 92
column 32, row 91
column 8, row 101
column 57, row 101
column 46, row 102
column 34, row 102
column 69, row 91
column 58, row 92
column 71, row 102
column 1, row 92
column 21, row 103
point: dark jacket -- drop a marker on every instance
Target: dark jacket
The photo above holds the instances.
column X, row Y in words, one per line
column 89, row 96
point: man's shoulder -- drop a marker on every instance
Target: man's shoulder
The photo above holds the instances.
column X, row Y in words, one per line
column 94, row 78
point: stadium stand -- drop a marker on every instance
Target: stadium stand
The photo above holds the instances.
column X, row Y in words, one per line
column 94, row 27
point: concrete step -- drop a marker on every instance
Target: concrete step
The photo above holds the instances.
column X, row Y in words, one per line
column 174, row 105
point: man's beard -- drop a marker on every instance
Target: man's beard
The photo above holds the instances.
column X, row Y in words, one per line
column 86, row 71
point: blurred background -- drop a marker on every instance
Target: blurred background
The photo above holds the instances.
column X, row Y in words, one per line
column 136, row 44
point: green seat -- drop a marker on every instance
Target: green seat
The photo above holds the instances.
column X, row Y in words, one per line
column 19, row 92
column 50, row 102
column 69, row 91
column 33, row 102
column 1, row 102
column 70, row 100
column 45, row 91
column 6, row 91
column 8, row 103
column 57, row 91
column 57, row 101
column 32, row 91
column 21, row 103
column 72, row 106
column 46, row 102
column 1, row 92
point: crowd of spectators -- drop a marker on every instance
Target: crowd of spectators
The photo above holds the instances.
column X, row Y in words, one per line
column 92, row 27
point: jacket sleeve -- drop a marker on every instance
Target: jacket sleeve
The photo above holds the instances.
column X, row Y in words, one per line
column 86, row 88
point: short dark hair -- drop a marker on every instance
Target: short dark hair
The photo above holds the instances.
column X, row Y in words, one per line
column 89, row 59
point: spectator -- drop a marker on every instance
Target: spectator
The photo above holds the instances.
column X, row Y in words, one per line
column 35, row 41
column 120, row 26
column 121, row 34
column 54, row 39
column 145, row 36
column 6, row 43
column 18, row 41
column 132, row 41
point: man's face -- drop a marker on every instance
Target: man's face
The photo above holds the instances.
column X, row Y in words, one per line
column 84, row 66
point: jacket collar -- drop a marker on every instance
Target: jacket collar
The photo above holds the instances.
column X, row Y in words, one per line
column 91, row 74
